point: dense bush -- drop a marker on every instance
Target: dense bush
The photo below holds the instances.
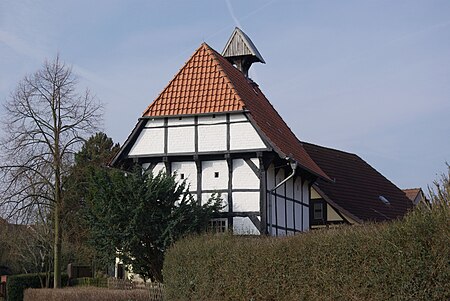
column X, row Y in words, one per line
column 402, row 260
column 16, row 284
column 86, row 294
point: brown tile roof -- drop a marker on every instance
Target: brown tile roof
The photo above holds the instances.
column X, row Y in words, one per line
column 412, row 193
column 208, row 83
column 357, row 186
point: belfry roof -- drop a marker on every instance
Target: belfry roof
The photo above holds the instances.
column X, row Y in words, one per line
column 208, row 83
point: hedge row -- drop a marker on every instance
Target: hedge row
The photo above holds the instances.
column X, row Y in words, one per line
column 402, row 260
column 16, row 284
column 86, row 294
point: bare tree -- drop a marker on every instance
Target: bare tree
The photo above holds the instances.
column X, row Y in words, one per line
column 45, row 123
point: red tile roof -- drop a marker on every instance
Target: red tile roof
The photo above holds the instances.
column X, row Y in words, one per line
column 201, row 86
column 357, row 185
column 208, row 83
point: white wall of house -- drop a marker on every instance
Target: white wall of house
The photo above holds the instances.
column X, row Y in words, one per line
column 289, row 211
column 212, row 132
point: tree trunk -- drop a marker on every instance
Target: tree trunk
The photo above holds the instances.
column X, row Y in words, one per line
column 57, row 249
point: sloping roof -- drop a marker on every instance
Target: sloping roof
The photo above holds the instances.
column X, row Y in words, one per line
column 412, row 193
column 208, row 83
column 239, row 44
column 357, row 186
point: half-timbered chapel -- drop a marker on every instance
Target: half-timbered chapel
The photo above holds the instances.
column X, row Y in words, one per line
column 213, row 126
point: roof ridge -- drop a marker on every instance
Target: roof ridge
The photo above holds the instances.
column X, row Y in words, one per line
column 174, row 77
column 330, row 148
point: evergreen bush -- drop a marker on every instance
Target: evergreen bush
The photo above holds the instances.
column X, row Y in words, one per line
column 16, row 284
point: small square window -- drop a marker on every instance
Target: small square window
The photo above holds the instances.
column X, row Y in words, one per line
column 216, row 174
column 182, row 176
column 214, row 116
column 218, row 225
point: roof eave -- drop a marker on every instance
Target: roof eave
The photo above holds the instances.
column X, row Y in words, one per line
column 335, row 205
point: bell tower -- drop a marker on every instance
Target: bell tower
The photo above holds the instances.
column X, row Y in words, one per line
column 241, row 52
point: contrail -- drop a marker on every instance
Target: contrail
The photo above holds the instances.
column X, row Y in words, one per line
column 230, row 9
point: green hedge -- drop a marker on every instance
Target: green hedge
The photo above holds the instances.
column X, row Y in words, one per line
column 16, row 284
column 402, row 260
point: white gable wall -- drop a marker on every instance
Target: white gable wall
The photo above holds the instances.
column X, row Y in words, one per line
column 244, row 136
column 214, row 133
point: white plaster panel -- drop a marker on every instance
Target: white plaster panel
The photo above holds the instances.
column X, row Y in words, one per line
column 245, row 201
column 238, row 117
column 244, row 226
column 150, row 141
column 211, row 119
column 189, row 171
column 306, row 192
column 305, row 219
column 180, row 121
column 209, row 181
column 160, row 167
column 306, row 209
column 212, row 137
column 270, row 209
column 281, row 220
column 290, row 214
column 181, row 139
column 290, row 188
column 279, row 178
column 298, row 190
column 244, row 136
column 223, row 196
column 270, row 177
column 298, row 216
column 315, row 194
column 155, row 122
column 243, row 175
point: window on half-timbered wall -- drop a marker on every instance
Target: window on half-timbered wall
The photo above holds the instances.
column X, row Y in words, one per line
column 218, row 225
column 318, row 212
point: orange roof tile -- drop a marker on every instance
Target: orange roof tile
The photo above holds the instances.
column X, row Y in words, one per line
column 226, row 89
column 201, row 86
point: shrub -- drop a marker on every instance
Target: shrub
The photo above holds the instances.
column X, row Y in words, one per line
column 86, row 294
column 402, row 260
column 16, row 284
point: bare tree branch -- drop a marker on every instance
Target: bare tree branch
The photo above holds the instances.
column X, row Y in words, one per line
column 45, row 124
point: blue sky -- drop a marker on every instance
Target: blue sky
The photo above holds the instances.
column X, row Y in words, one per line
column 368, row 77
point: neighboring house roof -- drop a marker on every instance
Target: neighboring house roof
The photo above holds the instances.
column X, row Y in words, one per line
column 208, row 83
column 414, row 194
column 357, row 186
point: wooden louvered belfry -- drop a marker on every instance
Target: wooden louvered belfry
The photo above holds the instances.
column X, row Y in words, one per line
column 241, row 52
